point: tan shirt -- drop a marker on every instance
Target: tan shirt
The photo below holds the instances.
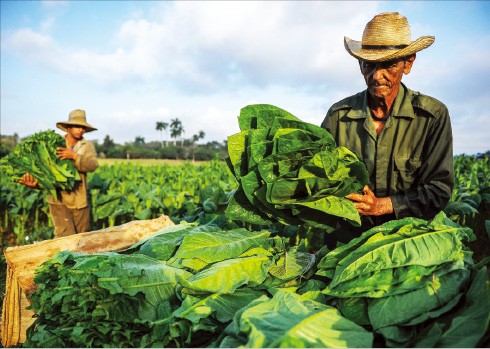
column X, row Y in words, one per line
column 86, row 162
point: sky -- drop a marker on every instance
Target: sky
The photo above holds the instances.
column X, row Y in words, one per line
column 131, row 64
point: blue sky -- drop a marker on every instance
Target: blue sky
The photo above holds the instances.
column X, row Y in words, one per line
column 130, row 64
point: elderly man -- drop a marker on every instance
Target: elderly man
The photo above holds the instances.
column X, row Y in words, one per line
column 403, row 136
column 70, row 210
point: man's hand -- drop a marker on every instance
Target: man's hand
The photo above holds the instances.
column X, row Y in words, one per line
column 370, row 205
column 29, row 181
column 66, row 153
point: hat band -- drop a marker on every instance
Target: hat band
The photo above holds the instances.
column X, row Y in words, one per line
column 383, row 47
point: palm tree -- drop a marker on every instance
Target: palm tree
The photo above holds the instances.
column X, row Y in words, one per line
column 176, row 130
column 198, row 136
column 201, row 134
column 162, row 126
column 139, row 141
column 195, row 138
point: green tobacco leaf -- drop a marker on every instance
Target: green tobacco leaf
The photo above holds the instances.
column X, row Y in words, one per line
column 285, row 167
column 293, row 322
column 228, row 275
column 163, row 246
column 332, row 259
column 335, row 206
column 414, row 303
column 424, row 248
column 354, row 309
column 172, row 231
column 315, row 132
column 143, row 214
column 37, row 155
column 220, row 245
column 239, row 208
column 470, row 324
column 131, row 274
column 459, row 208
column 387, row 282
column 260, row 116
column 222, row 305
column 237, row 145
column 258, row 147
column 292, row 265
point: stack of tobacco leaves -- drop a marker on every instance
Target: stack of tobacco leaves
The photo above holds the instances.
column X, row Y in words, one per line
column 37, row 155
column 290, row 172
column 401, row 278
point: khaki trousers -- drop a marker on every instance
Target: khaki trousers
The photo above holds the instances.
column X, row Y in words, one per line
column 69, row 221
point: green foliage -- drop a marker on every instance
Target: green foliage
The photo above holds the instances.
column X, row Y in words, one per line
column 130, row 299
column 291, row 321
column 8, row 144
column 403, row 277
column 290, row 172
column 470, row 201
column 121, row 193
column 194, row 285
column 37, row 155
column 200, row 317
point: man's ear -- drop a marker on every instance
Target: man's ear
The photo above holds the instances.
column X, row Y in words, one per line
column 409, row 64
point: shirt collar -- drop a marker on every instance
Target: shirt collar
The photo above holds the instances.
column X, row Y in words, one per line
column 402, row 107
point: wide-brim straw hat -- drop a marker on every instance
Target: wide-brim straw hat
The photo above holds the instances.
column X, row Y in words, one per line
column 386, row 37
column 76, row 118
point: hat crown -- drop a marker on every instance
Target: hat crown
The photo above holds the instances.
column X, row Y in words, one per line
column 387, row 29
column 76, row 117
column 77, row 114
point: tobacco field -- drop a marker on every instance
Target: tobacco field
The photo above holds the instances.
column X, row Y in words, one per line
column 245, row 264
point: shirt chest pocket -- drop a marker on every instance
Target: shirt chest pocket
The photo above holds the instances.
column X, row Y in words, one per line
column 405, row 172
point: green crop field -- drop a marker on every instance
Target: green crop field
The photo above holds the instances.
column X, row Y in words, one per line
column 125, row 190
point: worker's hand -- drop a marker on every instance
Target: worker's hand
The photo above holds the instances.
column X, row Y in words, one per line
column 29, row 181
column 66, row 153
column 369, row 205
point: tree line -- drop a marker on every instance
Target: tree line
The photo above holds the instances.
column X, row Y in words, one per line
column 178, row 147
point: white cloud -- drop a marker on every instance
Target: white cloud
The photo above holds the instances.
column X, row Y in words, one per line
column 48, row 23
column 208, row 46
column 202, row 61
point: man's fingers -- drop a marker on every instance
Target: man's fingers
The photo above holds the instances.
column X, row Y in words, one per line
column 355, row 197
column 362, row 206
column 361, row 198
column 368, row 191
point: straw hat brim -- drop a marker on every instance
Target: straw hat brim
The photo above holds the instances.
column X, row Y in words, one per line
column 64, row 125
column 355, row 49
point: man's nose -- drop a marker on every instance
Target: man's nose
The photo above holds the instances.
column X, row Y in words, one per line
column 377, row 72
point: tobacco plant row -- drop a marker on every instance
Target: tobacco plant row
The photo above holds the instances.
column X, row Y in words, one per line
column 122, row 193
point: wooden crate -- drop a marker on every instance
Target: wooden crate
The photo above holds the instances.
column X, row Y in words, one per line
column 22, row 262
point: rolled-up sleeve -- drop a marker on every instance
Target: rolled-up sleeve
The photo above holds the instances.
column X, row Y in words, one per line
column 87, row 159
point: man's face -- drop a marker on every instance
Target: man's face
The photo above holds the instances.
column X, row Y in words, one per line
column 76, row 132
column 383, row 78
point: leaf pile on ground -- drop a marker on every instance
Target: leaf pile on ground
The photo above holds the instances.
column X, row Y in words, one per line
column 37, row 155
column 291, row 172
column 405, row 283
column 412, row 282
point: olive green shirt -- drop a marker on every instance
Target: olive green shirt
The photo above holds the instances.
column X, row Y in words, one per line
column 410, row 161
